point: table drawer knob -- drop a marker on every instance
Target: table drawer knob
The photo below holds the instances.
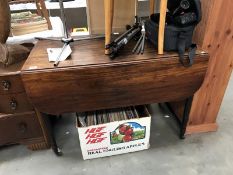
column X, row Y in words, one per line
column 6, row 85
column 22, row 127
column 13, row 105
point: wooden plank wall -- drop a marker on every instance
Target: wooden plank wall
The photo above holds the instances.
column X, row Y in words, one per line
column 215, row 35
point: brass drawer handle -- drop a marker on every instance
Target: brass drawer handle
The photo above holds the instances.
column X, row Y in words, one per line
column 22, row 127
column 13, row 105
column 6, row 85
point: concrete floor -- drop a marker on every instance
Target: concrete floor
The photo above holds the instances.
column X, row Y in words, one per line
column 202, row 154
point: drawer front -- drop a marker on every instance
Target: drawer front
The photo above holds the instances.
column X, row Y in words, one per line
column 14, row 103
column 11, row 84
column 14, row 128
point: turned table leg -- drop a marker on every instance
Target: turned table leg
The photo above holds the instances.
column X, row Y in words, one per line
column 109, row 11
column 163, row 10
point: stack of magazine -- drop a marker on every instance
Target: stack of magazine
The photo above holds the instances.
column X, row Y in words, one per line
column 106, row 116
column 26, row 22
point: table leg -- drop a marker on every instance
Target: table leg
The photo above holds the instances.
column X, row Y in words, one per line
column 184, row 118
column 42, row 10
column 163, row 10
column 54, row 146
column 109, row 11
column 184, row 122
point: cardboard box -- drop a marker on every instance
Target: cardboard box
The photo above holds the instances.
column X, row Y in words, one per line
column 116, row 137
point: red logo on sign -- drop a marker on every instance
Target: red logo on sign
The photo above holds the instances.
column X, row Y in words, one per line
column 95, row 135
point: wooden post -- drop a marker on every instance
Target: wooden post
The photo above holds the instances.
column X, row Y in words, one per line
column 152, row 7
column 109, row 11
column 215, row 35
column 163, row 10
column 4, row 21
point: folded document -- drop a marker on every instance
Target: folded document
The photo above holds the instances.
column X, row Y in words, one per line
column 53, row 53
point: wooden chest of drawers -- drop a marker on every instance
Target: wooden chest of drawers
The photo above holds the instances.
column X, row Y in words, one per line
column 18, row 127
column 10, row 84
column 14, row 103
column 19, row 122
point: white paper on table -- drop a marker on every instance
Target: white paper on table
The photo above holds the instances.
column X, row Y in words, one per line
column 53, row 53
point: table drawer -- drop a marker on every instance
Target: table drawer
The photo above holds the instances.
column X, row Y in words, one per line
column 11, row 84
column 17, row 127
column 14, row 103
